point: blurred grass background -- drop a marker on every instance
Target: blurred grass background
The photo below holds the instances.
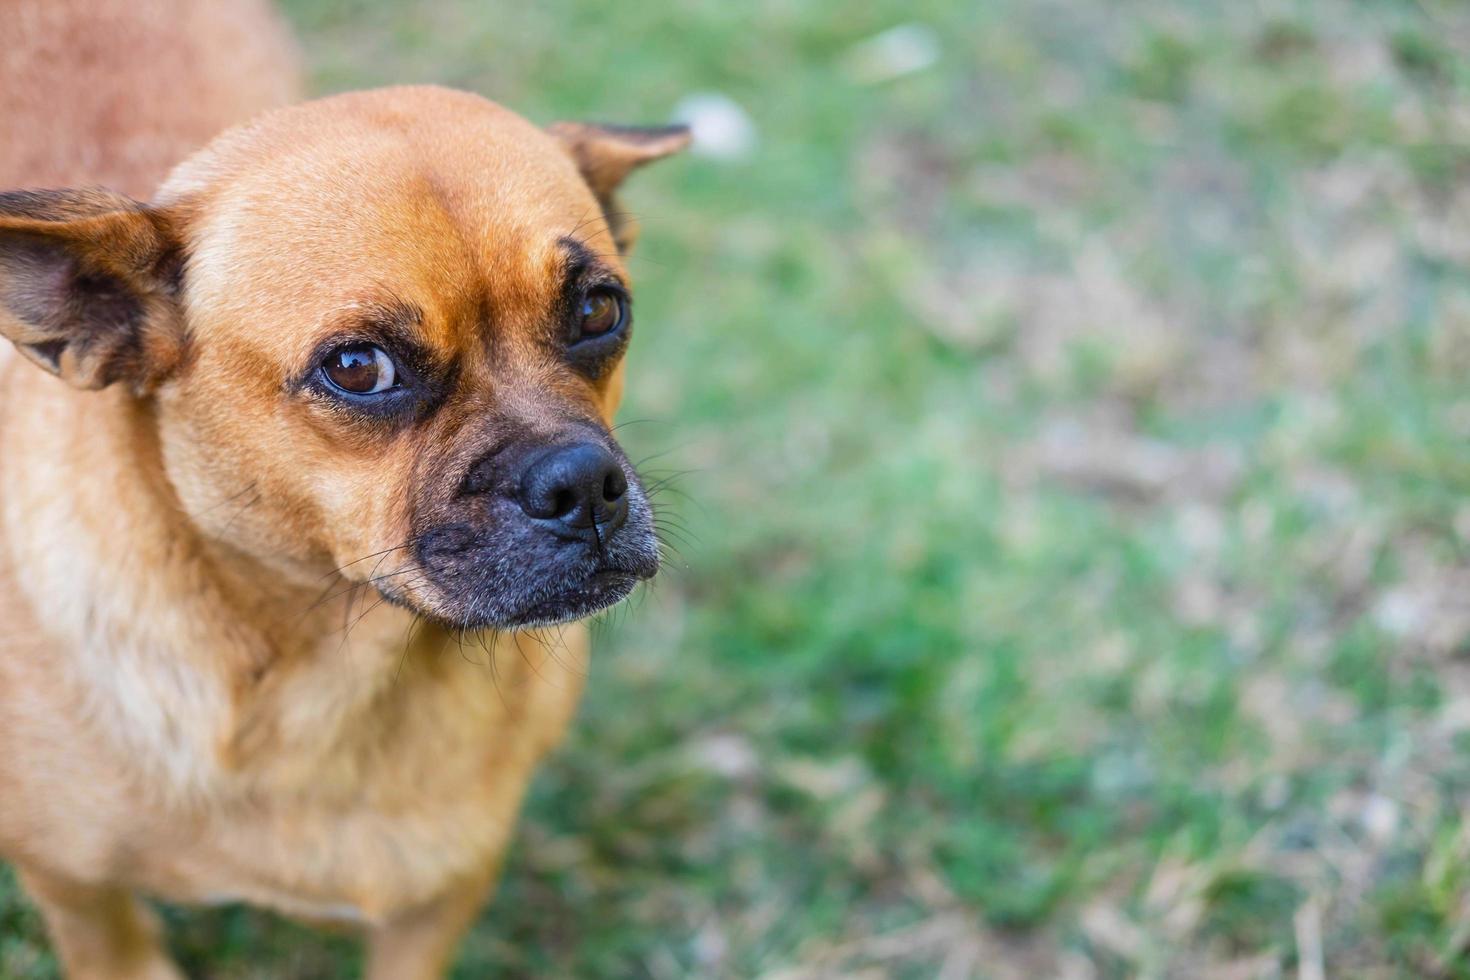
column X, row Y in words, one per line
column 1072, row 576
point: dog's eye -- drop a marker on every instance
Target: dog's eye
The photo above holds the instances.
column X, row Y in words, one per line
column 602, row 312
column 361, row 369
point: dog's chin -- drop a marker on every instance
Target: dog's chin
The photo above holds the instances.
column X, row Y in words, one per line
column 546, row 605
column 599, row 591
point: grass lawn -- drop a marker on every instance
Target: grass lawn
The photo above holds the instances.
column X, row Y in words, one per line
column 1074, row 555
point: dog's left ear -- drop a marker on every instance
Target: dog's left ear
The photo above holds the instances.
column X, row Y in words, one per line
column 607, row 154
column 89, row 284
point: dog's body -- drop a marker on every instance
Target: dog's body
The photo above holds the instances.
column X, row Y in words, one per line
column 202, row 695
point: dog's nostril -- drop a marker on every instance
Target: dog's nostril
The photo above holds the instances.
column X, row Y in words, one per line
column 563, row 502
column 614, row 485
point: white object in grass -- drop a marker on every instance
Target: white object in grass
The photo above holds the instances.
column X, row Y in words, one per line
column 722, row 130
column 896, row 52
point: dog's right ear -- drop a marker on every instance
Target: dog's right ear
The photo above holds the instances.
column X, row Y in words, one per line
column 89, row 284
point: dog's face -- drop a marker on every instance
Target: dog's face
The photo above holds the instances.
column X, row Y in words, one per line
column 381, row 333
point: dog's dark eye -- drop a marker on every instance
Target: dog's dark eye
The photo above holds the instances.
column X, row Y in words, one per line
column 361, row 369
column 602, row 312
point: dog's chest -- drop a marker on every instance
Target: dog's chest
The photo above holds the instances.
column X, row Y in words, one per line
column 355, row 864
column 420, row 792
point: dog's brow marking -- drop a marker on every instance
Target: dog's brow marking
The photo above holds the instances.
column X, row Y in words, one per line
column 579, row 257
column 582, row 262
column 392, row 311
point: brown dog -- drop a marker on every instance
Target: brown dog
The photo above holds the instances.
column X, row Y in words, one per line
column 360, row 349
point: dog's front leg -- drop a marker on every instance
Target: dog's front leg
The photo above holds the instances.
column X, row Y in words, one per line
column 99, row 932
column 418, row 944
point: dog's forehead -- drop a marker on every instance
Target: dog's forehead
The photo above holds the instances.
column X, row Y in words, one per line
column 436, row 199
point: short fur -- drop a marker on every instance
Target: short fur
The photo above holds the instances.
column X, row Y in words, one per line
column 231, row 667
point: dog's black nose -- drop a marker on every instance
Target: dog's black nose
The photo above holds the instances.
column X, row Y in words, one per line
column 578, row 491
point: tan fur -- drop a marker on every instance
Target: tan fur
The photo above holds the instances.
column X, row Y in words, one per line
column 195, row 700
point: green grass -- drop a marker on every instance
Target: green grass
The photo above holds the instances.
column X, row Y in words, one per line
column 1073, row 571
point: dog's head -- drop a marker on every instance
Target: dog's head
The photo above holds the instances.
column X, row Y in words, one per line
column 381, row 333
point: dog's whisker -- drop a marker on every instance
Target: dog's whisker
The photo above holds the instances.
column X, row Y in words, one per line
column 665, row 533
column 495, row 677
column 658, row 455
column 368, row 581
column 658, row 489
column 346, row 632
column 460, row 643
column 386, row 551
column 516, row 639
column 561, row 642
column 240, row 512
column 643, row 421
column 413, row 624
column 668, row 517
column 230, row 499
